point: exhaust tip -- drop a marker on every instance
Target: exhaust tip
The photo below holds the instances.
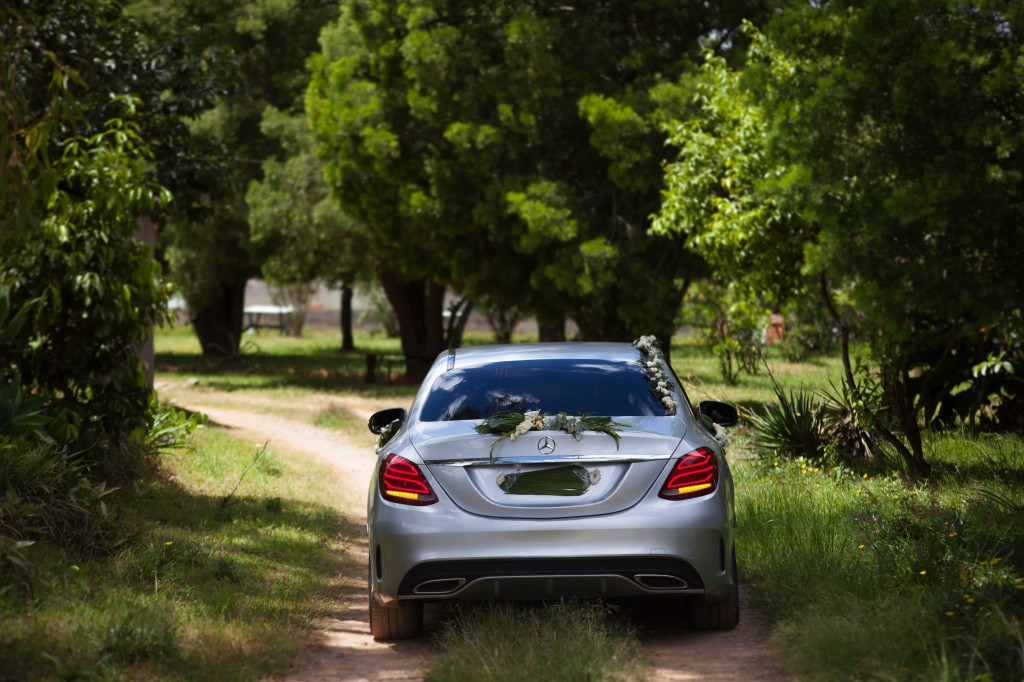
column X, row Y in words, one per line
column 440, row 586
column 659, row 581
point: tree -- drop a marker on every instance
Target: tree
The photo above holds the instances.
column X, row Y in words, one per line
column 892, row 131
column 511, row 138
column 257, row 53
column 69, row 205
column 294, row 219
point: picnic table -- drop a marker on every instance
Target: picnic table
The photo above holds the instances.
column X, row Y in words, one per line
column 277, row 317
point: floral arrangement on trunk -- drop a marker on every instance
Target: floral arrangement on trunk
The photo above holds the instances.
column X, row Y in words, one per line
column 511, row 425
column 652, row 361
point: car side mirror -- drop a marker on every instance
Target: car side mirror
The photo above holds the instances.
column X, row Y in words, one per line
column 379, row 420
column 720, row 413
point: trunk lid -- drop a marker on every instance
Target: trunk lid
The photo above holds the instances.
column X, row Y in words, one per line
column 528, row 479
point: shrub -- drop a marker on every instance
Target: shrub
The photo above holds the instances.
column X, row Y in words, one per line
column 794, row 426
column 45, row 493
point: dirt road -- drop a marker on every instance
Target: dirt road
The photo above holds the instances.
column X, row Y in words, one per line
column 344, row 649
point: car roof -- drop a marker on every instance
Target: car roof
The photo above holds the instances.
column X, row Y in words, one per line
column 569, row 350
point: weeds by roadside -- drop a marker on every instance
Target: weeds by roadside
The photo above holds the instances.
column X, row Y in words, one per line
column 201, row 592
column 568, row 641
column 870, row 577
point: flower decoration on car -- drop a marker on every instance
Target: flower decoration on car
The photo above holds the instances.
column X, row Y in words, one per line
column 388, row 432
column 652, row 361
column 512, row 425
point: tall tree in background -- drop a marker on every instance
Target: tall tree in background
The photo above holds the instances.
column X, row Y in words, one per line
column 511, row 150
column 299, row 225
column 258, row 51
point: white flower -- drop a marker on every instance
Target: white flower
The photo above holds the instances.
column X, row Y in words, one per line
column 501, row 480
column 668, row 401
column 595, row 476
column 522, row 428
column 662, row 385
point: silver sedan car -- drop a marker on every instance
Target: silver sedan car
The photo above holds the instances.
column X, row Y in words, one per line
column 543, row 471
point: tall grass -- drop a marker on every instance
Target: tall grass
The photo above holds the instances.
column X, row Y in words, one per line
column 873, row 578
column 569, row 641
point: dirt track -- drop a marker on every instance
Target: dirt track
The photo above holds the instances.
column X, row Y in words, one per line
column 344, row 649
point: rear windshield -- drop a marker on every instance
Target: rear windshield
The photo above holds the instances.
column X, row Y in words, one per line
column 598, row 387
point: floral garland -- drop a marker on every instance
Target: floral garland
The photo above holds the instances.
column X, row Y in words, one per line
column 511, row 425
column 388, row 432
column 652, row 360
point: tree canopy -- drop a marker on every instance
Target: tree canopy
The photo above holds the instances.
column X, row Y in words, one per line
column 78, row 292
column 515, row 138
column 877, row 146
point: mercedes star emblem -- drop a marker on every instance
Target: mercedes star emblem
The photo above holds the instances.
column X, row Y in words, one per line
column 546, row 445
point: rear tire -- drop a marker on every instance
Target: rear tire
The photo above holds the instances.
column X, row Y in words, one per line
column 707, row 613
column 403, row 620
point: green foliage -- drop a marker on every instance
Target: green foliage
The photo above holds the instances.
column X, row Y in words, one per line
column 713, row 194
column 46, row 494
column 729, row 323
column 141, row 636
column 874, row 148
column 520, row 139
column 809, row 331
column 296, row 223
column 190, row 595
column 254, row 55
column 793, row 426
column 510, row 425
column 889, row 579
column 840, row 425
column 96, row 291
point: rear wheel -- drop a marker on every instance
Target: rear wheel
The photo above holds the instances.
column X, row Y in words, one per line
column 717, row 614
column 402, row 620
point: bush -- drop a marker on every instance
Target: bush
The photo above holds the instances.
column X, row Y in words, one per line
column 837, row 425
column 729, row 324
column 45, row 493
column 794, row 426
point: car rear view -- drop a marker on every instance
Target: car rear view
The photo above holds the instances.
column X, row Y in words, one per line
column 544, row 471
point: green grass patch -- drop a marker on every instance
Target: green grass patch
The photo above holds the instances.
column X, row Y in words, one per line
column 870, row 577
column 510, row 642
column 200, row 589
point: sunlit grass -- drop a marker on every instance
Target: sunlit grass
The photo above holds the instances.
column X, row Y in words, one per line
column 871, row 577
column 201, row 589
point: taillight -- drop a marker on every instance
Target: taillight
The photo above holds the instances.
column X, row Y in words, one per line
column 695, row 474
column 401, row 481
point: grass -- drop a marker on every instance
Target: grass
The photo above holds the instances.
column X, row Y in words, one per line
column 200, row 590
column 569, row 641
column 871, row 577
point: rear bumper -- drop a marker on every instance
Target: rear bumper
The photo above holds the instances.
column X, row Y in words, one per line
column 658, row 547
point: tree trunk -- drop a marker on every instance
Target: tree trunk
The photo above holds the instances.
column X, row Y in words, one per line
column 844, row 333
column 418, row 305
column 896, row 384
column 347, row 342
column 219, row 324
column 551, row 328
